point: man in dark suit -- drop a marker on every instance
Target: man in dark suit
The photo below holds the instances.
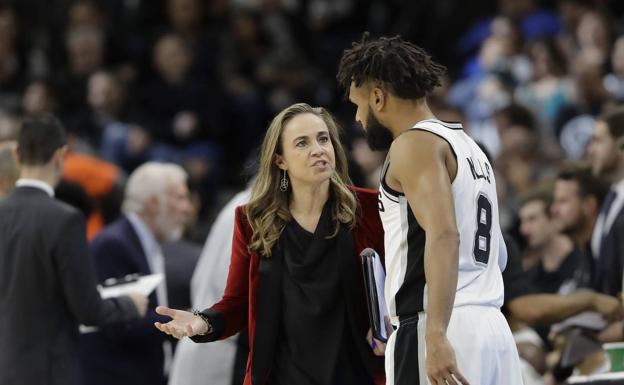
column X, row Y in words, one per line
column 156, row 207
column 47, row 283
column 606, row 151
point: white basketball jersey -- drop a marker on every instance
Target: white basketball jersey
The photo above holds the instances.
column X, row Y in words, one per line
column 476, row 208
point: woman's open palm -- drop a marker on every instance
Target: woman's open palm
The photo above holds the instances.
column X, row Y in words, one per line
column 183, row 323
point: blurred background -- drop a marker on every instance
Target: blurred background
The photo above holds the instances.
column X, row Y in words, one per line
column 196, row 82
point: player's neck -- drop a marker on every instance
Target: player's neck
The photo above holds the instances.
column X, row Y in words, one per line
column 407, row 113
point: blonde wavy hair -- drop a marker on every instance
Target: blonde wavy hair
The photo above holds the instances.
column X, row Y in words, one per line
column 267, row 210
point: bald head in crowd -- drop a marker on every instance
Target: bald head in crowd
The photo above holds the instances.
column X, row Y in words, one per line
column 9, row 171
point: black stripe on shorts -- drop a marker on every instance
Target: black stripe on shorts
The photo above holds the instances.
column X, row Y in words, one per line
column 406, row 361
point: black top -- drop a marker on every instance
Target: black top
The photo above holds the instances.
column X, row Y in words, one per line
column 515, row 279
column 518, row 282
column 315, row 345
column 571, row 275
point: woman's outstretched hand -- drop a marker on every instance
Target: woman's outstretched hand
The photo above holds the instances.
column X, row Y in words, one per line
column 183, row 323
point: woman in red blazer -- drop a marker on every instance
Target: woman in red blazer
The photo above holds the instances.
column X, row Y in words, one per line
column 295, row 276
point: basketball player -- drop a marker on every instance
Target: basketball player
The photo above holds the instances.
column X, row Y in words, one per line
column 443, row 244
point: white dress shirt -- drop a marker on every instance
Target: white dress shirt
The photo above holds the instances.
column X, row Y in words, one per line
column 36, row 183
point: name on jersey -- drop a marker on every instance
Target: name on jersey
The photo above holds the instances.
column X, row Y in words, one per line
column 479, row 169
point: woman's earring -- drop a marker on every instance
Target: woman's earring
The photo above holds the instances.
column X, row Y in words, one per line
column 284, row 183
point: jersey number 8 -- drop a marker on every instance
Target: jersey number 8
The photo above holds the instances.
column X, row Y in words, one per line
column 483, row 234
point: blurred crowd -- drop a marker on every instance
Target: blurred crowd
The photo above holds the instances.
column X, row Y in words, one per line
column 196, row 82
column 188, row 81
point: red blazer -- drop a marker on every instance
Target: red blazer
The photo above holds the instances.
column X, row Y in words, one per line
column 240, row 308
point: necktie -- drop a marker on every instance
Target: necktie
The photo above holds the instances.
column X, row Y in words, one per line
column 604, row 213
column 609, row 199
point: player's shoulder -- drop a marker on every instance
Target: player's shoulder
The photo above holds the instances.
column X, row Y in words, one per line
column 417, row 138
column 414, row 145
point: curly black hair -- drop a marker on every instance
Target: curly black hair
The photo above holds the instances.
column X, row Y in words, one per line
column 406, row 69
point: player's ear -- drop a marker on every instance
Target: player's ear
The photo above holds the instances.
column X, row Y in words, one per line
column 377, row 99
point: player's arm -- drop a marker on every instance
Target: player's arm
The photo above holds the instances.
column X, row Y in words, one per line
column 418, row 161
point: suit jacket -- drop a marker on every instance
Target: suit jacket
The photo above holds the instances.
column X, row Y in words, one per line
column 253, row 289
column 47, row 288
column 611, row 258
column 130, row 354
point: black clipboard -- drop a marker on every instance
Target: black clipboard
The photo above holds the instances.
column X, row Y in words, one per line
column 375, row 302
